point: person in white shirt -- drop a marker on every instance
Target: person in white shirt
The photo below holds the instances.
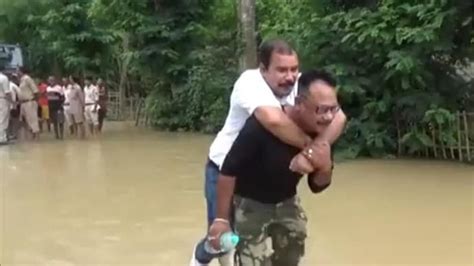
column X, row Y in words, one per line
column 66, row 84
column 261, row 92
column 55, row 94
column 91, row 114
column 14, row 124
column 14, row 91
column 5, row 98
column 74, row 107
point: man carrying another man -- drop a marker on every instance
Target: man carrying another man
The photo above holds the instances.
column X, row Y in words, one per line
column 255, row 173
column 262, row 92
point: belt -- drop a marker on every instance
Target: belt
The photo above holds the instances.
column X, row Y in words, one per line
column 26, row 101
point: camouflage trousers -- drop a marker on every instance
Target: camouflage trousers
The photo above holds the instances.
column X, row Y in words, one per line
column 256, row 223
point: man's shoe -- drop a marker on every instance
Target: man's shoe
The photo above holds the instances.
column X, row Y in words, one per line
column 194, row 261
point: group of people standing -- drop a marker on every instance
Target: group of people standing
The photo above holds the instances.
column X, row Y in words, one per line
column 28, row 107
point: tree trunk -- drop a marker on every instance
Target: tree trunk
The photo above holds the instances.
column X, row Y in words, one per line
column 246, row 9
column 125, row 60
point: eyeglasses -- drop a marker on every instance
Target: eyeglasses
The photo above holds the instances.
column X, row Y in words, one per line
column 324, row 109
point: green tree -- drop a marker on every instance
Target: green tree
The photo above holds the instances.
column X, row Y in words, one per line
column 397, row 62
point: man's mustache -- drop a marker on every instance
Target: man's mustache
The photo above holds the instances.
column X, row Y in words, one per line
column 288, row 84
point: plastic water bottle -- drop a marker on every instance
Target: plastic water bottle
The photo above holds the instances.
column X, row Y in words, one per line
column 228, row 241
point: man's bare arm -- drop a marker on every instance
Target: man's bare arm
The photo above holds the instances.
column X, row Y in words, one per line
column 280, row 125
column 225, row 191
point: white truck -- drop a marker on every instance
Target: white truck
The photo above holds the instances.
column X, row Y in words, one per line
column 11, row 56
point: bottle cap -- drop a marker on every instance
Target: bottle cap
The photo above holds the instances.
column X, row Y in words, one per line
column 234, row 239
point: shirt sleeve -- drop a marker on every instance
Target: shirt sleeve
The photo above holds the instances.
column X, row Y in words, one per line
column 14, row 88
column 251, row 92
column 4, row 85
column 244, row 148
column 7, row 88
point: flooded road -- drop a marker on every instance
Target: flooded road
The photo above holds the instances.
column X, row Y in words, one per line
column 135, row 197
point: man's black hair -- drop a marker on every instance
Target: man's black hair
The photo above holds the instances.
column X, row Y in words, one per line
column 75, row 79
column 24, row 70
column 267, row 48
column 308, row 77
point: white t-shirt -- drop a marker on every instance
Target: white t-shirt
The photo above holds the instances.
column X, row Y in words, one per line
column 53, row 92
column 66, row 90
column 91, row 94
column 73, row 98
column 13, row 93
column 13, row 90
column 56, row 88
column 250, row 91
column 4, row 87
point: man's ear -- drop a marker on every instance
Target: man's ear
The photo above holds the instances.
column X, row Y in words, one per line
column 262, row 67
column 299, row 99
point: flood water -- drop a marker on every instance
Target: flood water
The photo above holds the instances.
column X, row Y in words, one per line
column 135, row 197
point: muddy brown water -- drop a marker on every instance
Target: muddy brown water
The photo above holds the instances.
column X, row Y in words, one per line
column 135, row 197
